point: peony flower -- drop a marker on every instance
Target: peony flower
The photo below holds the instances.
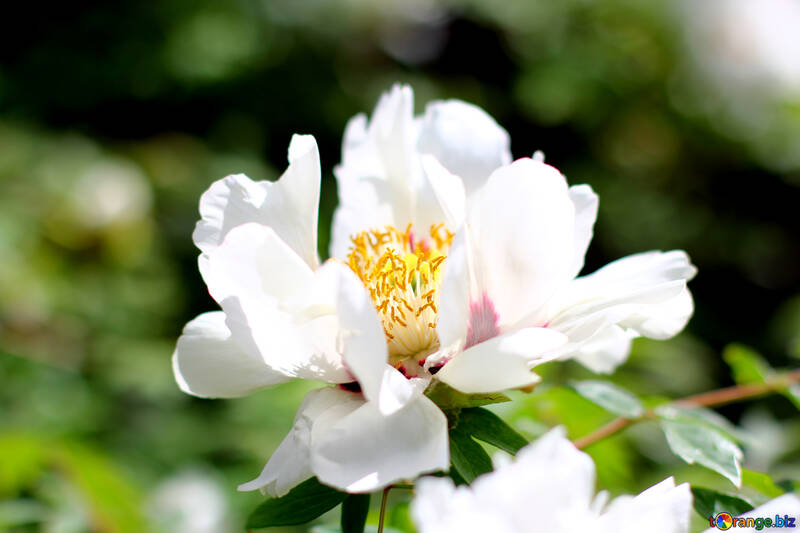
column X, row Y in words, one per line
column 468, row 280
column 548, row 487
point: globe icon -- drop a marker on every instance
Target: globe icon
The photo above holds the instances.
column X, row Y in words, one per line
column 723, row 521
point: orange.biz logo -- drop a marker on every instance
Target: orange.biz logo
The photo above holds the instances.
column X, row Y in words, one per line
column 725, row 521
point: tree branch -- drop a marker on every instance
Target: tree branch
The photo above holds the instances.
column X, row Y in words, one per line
column 713, row 398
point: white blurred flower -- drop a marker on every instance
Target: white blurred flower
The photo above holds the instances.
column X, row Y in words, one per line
column 743, row 73
column 111, row 192
column 754, row 44
column 548, row 487
column 190, row 502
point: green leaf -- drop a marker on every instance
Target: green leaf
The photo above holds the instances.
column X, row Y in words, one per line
column 698, row 443
column 304, row 503
column 486, row 426
column 610, row 397
column 468, row 457
column 747, row 365
column 761, row 482
column 448, row 398
column 702, row 416
column 354, row 513
column 709, row 502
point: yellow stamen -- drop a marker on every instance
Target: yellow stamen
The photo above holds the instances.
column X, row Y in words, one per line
column 402, row 273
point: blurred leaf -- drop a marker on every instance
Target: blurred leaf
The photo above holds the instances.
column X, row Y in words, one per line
column 747, row 365
column 354, row 513
column 709, row 502
column 761, row 482
column 400, row 517
column 20, row 512
column 551, row 406
column 447, row 397
column 610, row 397
column 789, row 485
column 113, row 500
column 304, row 503
column 468, row 457
column 21, row 460
column 697, row 443
column 490, row 428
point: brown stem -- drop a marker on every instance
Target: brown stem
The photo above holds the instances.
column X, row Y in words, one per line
column 383, row 508
column 713, row 398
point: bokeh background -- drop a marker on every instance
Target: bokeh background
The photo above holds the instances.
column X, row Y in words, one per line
column 115, row 116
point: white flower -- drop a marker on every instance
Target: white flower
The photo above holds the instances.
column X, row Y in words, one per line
column 470, row 277
column 550, row 488
column 474, row 275
column 190, row 502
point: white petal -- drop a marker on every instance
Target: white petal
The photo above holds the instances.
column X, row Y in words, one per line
column 500, row 363
column 585, row 201
column 448, row 189
column 367, row 450
column 361, row 188
column 255, row 277
column 363, row 342
column 644, row 294
column 379, row 172
column 667, row 320
column 549, row 485
column 782, row 506
column 664, row 506
column 254, row 261
column 605, row 350
column 522, row 223
column 440, row 507
column 290, row 464
column 465, row 139
column 430, row 507
column 289, row 205
column 209, row 364
column 394, row 132
column 229, row 202
column 549, row 479
column 454, row 297
column 365, row 209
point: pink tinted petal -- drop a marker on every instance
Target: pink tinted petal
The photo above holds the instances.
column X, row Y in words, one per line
column 483, row 321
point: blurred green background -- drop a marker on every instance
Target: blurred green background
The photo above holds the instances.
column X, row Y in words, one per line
column 115, row 116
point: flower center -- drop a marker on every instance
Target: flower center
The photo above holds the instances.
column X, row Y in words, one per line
column 403, row 274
